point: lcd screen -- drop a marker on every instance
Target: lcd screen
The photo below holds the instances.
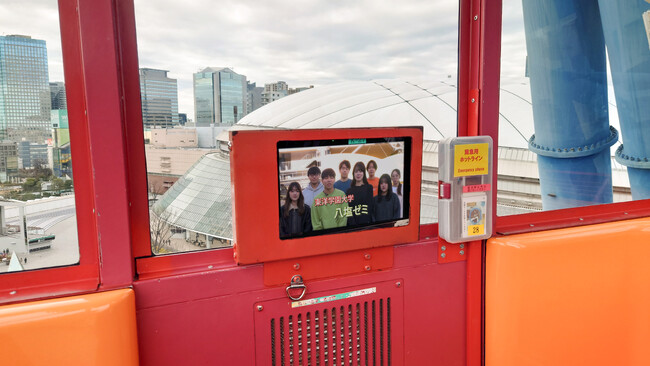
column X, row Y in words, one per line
column 334, row 186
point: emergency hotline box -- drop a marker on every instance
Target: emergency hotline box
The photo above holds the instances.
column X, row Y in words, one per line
column 281, row 211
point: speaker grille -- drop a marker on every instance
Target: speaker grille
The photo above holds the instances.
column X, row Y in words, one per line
column 333, row 328
column 352, row 334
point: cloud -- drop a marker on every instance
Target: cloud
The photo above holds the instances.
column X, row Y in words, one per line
column 513, row 41
column 40, row 20
column 310, row 42
column 303, row 43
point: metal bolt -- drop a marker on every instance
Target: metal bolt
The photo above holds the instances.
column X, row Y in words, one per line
column 398, row 284
column 581, row 219
column 367, row 256
column 462, row 246
column 260, row 307
column 296, row 266
column 462, row 252
column 443, row 255
column 475, row 17
column 473, row 100
column 367, row 268
column 531, row 225
column 12, row 292
column 443, row 247
column 210, row 266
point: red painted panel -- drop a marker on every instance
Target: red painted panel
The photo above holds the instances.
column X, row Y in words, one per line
column 84, row 276
column 134, row 135
column 183, row 263
column 214, row 311
column 451, row 252
column 570, row 217
column 339, row 330
column 354, row 262
column 263, row 243
column 104, row 110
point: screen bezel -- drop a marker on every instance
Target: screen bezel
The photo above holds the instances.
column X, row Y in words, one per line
column 254, row 184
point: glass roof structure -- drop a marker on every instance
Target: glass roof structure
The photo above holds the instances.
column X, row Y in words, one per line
column 200, row 200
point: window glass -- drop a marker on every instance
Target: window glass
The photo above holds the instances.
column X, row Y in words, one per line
column 575, row 107
column 281, row 64
column 38, row 226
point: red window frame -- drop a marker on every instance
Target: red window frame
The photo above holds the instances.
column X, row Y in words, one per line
column 92, row 38
column 471, row 76
column 479, row 79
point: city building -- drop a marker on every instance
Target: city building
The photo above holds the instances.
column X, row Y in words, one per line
column 299, row 89
column 25, row 97
column 57, row 96
column 274, row 91
column 165, row 165
column 159, row 95
column 8, row 160
column 254, row 97
column 59, row 145
column 59, row 118
column 219, row 97
column 61, row 160
column 32, row 154
column 174, row 137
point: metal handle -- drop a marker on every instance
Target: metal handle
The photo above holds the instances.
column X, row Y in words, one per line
column 296, row 283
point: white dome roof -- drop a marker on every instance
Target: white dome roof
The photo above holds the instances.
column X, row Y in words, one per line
column 395, row 102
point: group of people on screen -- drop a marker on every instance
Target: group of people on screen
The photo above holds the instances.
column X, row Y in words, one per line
column 327, row 203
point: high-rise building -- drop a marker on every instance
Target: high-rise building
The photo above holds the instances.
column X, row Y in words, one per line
column 32, row 155
column 219, row 97
column 254, row 97
column 57, row 96
column 159, row 95
column 25, row 99
column 59, row 145
column 8, row 159
column 274, row 91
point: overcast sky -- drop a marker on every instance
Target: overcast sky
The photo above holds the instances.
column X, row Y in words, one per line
column 310, row 42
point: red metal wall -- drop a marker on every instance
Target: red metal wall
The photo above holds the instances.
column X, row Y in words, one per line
column 208, row 317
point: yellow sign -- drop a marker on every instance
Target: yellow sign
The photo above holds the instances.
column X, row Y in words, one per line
column 471, row 159
column 475, row 230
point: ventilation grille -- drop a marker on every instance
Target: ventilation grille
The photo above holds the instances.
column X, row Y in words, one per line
column 350, row 334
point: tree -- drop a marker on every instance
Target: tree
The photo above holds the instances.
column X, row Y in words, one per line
column 161, row 232
column 41, row 170
column 58, row 184
column 27, row 197
column 31, row 185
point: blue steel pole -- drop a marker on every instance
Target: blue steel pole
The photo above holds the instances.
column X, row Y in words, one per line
column 628, row 49
column 567, row 68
